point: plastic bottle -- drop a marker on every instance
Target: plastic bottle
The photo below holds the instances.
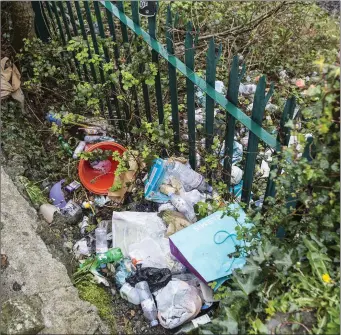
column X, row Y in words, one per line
column 65, row 145
column 52, row 118
column 112, row 255
column 190, row 179
column 96, row 138
column 147, row 302
column 130, row 294
column 80, row 148
column 101, row 240
column 84, row 224
column 92, row 131
column 183, row 207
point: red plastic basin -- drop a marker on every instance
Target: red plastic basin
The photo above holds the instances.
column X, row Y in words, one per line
column 93, row 180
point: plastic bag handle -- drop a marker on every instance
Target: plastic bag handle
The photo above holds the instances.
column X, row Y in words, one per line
column 221, row 242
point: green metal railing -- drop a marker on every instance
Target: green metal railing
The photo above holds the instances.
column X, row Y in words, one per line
column 53, row 18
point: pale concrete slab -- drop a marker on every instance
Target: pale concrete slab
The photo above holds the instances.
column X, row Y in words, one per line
column 33, row 271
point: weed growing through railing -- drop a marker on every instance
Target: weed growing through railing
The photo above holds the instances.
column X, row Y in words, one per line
column 294, row 278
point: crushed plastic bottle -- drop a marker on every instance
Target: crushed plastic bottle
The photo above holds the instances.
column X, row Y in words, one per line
column 84, row 224
column 50, row 117
column 130, row 294
column 183, row 207
column 147, row 303
column 190, row 179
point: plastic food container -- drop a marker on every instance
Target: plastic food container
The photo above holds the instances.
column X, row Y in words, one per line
column 95, row 180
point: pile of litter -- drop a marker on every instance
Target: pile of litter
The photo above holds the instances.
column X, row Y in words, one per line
column 162, row 258
column 156, row 253
column 165, row 260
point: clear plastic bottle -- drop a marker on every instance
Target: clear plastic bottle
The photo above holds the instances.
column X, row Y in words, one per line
column 101, row 240
column 80, row 148
column 183, row 207
column 147, row 303
column 190, row 179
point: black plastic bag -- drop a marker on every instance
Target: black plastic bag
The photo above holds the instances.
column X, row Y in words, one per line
column 156, row 278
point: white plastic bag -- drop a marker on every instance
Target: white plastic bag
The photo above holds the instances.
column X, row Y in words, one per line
column 177, row 303
column 236, row 175
column 81, row 248
column 132, row 227
column 265, row 169
column 142, row 236
column 148, row 252
column 193, row 197
column 155, row 253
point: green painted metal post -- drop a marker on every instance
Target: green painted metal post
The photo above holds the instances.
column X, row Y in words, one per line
column 125, row 38
column 232, row 96
column 68, row 33
column 62, row 36
column 85, row 38
column 259, row 104
column 113, row 36
column 173, row 90
column 117, row 59
column 96, row 49
column 59, row 25
column 75, row 32
column 155, row 59
column 72, row 17
column 93, row 35
column 124, row 30
column 107, row 59
column 283, row 137
column 189, row 58
column 40, row 21
column 49, row 12
column 136, row 19
column 209, row 110
column 211, row 65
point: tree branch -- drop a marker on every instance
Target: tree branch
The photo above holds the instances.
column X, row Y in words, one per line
column 239, row 30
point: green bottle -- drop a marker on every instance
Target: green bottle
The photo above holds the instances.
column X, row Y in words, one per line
column 65, row 145
column 112, row 255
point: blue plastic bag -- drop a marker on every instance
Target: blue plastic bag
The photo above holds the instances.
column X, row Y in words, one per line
column 237, row 155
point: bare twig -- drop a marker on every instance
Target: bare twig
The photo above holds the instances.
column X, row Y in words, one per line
column 29, row 107
column 295, row 323
column 251, row 25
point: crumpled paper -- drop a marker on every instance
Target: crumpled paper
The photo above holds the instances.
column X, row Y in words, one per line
column 10, row 81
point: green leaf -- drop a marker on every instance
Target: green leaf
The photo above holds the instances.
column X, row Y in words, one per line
column 259, row 325
column 246, row 283
column 284, row 263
